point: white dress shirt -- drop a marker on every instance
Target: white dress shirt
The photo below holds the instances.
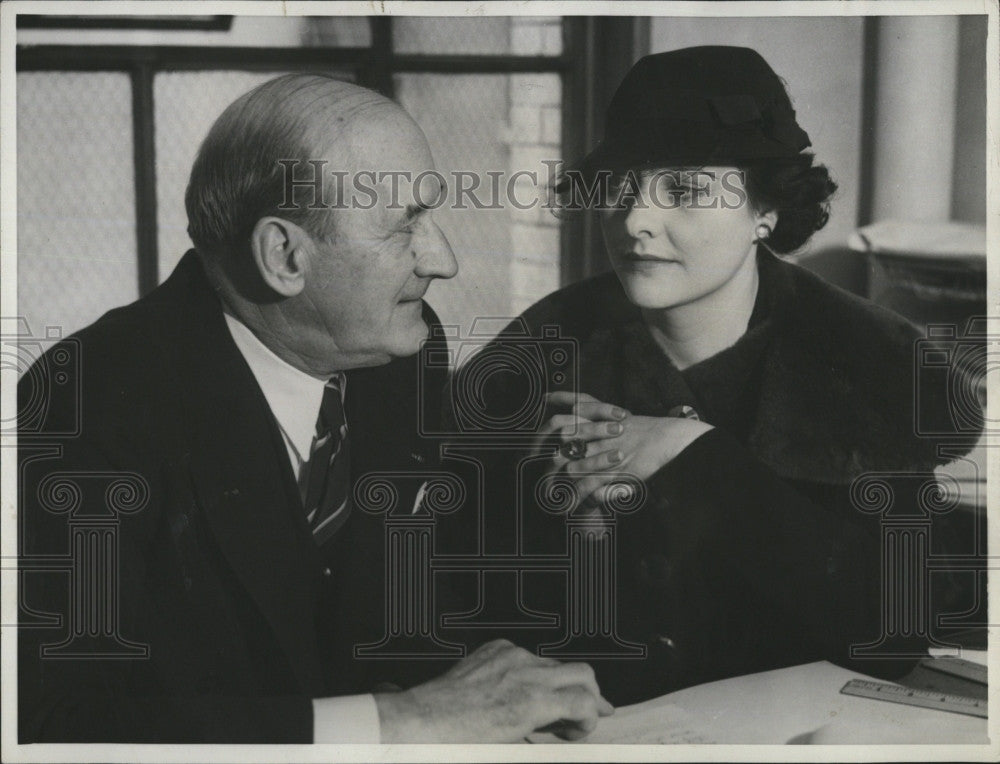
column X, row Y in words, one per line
column 294, row 398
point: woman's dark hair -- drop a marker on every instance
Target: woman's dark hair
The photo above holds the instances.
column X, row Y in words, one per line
column 798, row 191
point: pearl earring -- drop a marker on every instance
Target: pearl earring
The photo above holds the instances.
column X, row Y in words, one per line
column 763, row 231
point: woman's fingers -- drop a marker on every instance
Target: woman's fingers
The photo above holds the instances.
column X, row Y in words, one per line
column 586, row 406
column 594, row 463
column 560, row 422
column 596, row 410
column 567, row 398
column 563, row 428
column 589, row 431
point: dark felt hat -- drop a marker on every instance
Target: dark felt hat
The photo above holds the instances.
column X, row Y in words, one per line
column 697, row 106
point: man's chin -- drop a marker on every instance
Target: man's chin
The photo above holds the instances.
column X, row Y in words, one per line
column 408, row 341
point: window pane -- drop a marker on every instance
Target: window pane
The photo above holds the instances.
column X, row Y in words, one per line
column 186, row 105
column 246, row 31
column 480, row 124
column 417, row 34
column 337, row 31
column 76, row 235
column 536, row 35
column 520, row 35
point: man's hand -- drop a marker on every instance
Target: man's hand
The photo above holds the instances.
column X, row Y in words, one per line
column 499, row 694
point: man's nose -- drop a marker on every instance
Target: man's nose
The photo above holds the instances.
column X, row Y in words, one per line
column 435, row 259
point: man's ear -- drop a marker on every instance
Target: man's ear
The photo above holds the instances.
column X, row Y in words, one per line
column 280, row 254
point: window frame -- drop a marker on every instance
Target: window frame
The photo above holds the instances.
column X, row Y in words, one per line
column 596, row 53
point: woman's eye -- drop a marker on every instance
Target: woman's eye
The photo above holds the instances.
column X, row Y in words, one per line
column 621, row 194
column 622, row 201
column 685, row 192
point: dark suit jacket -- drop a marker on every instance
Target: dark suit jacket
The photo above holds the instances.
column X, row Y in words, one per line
column 245, row 620
column 749, row 552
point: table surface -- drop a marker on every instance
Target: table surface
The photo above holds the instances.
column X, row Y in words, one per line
column 801, row 704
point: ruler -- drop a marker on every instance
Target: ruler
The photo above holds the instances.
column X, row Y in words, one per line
column 963, row 669
column 864, row 688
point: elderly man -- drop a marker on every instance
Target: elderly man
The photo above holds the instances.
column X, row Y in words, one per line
column 275, row 366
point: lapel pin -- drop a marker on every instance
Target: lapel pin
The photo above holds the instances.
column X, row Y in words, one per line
column 418, row 501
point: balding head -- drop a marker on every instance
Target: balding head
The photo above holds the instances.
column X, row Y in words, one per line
column 340, row 285
column 237, row 177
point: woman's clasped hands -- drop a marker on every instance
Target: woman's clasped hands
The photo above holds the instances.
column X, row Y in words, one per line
column 603, row 446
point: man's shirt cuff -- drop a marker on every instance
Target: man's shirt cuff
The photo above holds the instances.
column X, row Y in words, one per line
column 346, row 719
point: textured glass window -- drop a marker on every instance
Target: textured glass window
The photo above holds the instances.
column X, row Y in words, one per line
column 477, row 125
column 246, row 31
column 420, row 34
column 186, row 105
column 76, row 234
column 536, row 35
column 76, row 195
column 337, row 31
column 518, row 35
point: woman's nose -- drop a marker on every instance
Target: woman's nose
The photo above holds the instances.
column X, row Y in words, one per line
column 643, row 218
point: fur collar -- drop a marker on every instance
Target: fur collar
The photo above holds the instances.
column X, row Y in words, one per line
column 838, row 390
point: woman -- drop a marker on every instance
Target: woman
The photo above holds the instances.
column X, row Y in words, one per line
column 745, row 393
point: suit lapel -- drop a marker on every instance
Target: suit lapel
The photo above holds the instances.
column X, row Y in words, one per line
column 242, row 479
column 382, row 414
column 245, row 486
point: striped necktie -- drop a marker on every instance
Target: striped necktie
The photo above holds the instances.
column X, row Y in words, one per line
column 327, row 498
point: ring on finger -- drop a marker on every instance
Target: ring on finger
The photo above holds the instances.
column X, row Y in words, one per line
column 574, row 450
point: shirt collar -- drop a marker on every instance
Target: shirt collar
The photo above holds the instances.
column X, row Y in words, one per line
column 293, row 396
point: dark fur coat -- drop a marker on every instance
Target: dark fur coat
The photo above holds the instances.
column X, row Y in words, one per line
column 834, row 374
column 749, row 553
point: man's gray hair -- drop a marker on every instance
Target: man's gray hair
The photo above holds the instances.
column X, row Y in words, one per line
column 237, row 177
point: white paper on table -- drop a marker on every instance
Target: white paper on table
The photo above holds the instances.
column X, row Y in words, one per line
column 644, row 723
column 800, row 704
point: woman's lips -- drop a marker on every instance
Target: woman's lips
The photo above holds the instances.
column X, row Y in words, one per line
column 635, row 257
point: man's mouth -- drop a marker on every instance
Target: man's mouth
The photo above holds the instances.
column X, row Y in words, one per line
column 412, row 296
column 410, row 300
